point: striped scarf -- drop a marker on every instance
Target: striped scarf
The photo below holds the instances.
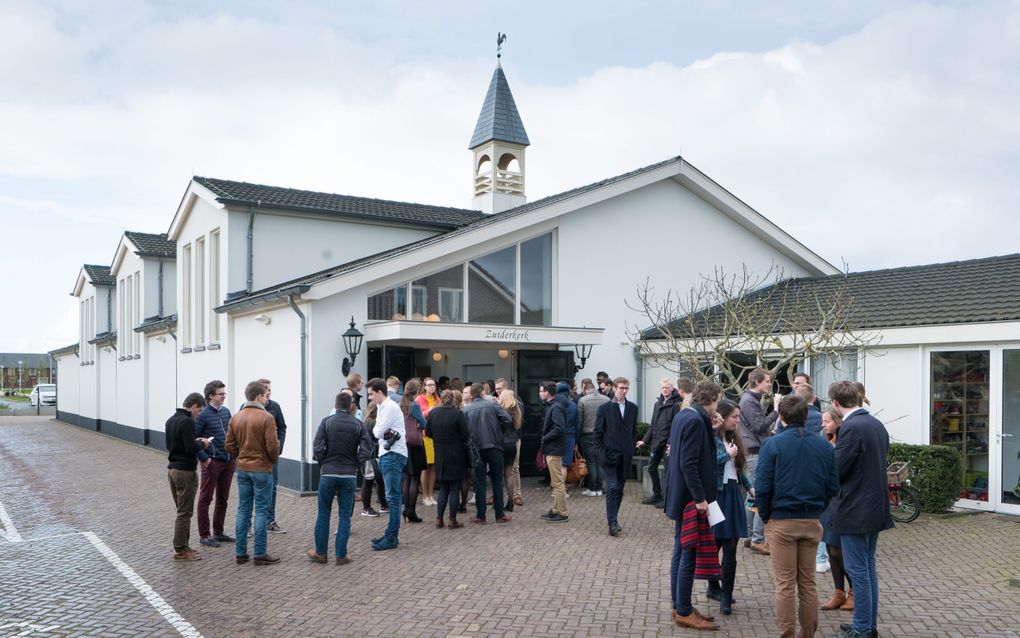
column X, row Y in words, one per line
column 697, row 533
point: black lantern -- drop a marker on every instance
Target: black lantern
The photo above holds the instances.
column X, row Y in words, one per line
column 352, row 344
column 583, row 351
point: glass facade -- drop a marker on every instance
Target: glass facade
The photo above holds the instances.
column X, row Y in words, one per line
column 492, row 287
column 536, row 281
column 493, row 295
column 959, row 414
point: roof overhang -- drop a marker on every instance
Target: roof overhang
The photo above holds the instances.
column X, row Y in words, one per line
column 192, row 194
column 473, row 334
column 123, row 247
column 71, row 349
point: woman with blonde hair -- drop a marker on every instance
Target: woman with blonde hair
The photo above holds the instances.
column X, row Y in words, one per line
column 511, row 443
column 426, row 400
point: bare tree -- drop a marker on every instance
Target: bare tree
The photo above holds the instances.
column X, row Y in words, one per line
column 773, row 321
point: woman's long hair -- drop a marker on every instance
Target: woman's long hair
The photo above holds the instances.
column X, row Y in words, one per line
column 837, row 418
column 410, row 392
column 725, row 409
column 508, row 400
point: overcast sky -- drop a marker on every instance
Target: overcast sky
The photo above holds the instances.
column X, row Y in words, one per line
column 878, row 133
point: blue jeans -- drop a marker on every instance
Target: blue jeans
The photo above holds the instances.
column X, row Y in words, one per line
column 252, row 488
column 755, row 526
column 342, row 487
column 681, row 575
column 271, row 514
column 615, row 475
column 391, row 464
column 822, row 555
column 490, row 462
column 859, row 562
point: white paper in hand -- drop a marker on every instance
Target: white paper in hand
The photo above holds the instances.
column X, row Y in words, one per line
column 715, row 515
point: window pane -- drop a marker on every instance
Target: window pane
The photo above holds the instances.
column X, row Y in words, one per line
column 492, row 287
column 536, row 281
column 388, row 305
column 438, row 296
column 825, row 369
column 959, row 414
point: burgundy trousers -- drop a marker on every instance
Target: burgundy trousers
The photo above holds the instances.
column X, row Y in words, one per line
column 216, row 478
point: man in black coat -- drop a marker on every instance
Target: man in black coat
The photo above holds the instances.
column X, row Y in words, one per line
column 182, row 470
column 615, row 431
column 690, row 477
column 554, row 446
column 657, row 436
column 861, row 510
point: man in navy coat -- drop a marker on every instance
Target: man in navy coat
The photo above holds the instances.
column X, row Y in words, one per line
column 861, row 510
column 615, row 436
column 690, row 477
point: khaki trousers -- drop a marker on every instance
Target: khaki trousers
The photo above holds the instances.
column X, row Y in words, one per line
column 793, row 543
column 183, row 487
column 559, row 489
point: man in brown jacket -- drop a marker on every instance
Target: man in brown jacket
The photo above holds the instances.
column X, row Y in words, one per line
column 251, row 439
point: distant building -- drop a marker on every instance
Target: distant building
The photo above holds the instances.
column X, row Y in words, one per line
column 26, row 369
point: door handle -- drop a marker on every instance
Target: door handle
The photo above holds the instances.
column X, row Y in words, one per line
column 999, row 435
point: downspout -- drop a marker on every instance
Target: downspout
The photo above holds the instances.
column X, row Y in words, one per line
column 251, row 246
column 160, row 306
column 305, row 467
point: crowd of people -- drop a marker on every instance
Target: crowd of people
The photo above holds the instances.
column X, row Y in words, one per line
column 801, row 485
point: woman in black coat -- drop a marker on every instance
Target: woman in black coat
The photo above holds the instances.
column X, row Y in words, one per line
column 448, row 428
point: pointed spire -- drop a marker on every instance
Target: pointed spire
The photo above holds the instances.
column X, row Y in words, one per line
column 499, row 119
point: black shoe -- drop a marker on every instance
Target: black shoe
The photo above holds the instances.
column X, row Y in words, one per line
column 548, row 515
column 223, row 538
column 509, row 507
column 241, row 559
column 615, row 529
column 557, row 518
column 714, row 591
column 726, row 603
column 652, row 500
column 209, row 541
column 847, row 631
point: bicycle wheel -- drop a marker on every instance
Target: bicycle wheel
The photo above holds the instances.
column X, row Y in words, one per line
column 904, row 504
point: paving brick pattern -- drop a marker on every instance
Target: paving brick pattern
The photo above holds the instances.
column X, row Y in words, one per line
column 940, row 577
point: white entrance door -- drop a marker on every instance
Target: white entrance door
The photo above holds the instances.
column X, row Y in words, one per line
column 1005, row 442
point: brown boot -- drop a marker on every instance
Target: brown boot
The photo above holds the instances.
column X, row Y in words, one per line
column 849, row 604
column 708, row 617
column 694, row 621
column 838, row 598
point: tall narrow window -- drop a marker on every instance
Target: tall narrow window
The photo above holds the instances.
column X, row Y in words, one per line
column 214, row 285
column 121, row 323
column 81, row 330
column 185, row 318
column 200, row 309
column 126, row 303
column 136, row 318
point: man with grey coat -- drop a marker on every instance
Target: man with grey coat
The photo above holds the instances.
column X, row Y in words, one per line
column 486, row 423
column 756, row 427
column 587, row 409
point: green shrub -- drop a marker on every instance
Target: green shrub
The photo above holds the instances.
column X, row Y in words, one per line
column 935, row 472
column 641, row 428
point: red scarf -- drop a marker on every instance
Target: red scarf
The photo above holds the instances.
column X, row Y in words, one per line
column 696, row 532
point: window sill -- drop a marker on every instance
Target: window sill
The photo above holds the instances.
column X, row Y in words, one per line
column 213, row 346
column 121, row 358
column 185, row 350
column 199, row 349
column 138, row 356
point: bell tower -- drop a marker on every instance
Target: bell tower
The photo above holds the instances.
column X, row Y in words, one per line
column 497, row 147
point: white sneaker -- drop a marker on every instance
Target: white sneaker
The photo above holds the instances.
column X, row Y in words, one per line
column 599, row 493
column 821, row 568
column 590, row 493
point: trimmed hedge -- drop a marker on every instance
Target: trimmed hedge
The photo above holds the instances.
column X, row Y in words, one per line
column 935, row 472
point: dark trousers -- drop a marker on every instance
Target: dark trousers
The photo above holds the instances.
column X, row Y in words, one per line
column 490, row 462
column 272, row 500
column 681, row 575
column 653, row 470
column 591, row 456
column 377, row 482
column 449, row 493
column 216, row 478
column 183, row 486
column 615, row 476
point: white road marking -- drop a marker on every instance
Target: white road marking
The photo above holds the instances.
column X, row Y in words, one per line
column 9, row 532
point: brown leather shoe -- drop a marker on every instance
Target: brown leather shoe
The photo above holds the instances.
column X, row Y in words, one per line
column 503, row 519
column 455, row 524
column 518, row 501
column 848, row 605
column 694, row 621
column 760, row 548
column 242, row 559
column 315, row 557
column 838, row 598
column 265, row 559
column 343, row 560
column 478, row 521
column 439, row 521
column 187, row 554
column 708, row 617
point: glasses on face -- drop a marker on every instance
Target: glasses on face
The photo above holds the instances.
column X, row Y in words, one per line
column 220, row 394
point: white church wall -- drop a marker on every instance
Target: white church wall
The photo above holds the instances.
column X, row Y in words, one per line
column 68, row 383
column 662, row 232
column 161, row 393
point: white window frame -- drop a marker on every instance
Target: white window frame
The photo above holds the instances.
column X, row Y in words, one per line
column 185, row 317
column 199, row 287
column 214, row 285
column 444, row 295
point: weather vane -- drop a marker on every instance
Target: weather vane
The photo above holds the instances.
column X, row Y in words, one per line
column 500, row 39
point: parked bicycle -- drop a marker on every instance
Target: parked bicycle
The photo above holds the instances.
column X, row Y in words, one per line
column 904, row 503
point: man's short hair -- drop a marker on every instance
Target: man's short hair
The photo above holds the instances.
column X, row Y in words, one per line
column 194, row 399
column 376, row 384
column 392, row 382
column 212, row 387
column 353, row 379
column 265, row 382
column 666, row 380
column 501, row 380
column 807, row 392
column 476, row 390
column 601, row 376
column 685, row 385
column 448, row 398
column 797, row 375
column 254, row 390
column 863, row 392
column 344, row 402
column 618, row 380
column 706, row 392
column 587, row 384
column 845, row 393
column 758, row 375
column 549, row 387
column 793, row 409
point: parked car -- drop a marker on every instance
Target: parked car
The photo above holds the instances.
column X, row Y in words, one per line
column 46, row 394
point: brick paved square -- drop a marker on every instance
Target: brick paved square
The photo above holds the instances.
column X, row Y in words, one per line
column 940, row 576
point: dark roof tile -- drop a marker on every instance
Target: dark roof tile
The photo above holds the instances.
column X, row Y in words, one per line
column 152, row 244
column 99, row 275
